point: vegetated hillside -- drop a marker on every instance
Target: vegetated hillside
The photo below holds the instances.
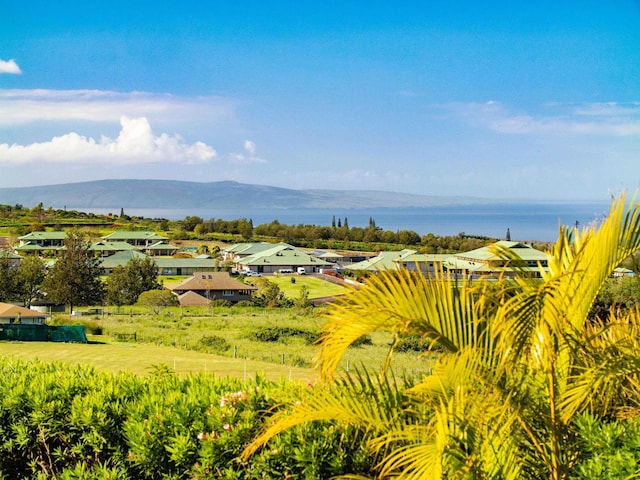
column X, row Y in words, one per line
column 224, row 194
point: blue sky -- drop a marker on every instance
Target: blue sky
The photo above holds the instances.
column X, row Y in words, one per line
column 512, row 100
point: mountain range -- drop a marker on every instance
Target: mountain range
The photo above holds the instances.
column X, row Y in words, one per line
column 165, row 194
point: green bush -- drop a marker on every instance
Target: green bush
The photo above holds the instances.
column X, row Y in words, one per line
column 282, row 334
column 609, row 449
column 245, row 303
column 362, row 341
column 212, row 344
column 411, row 343
column 74, row 422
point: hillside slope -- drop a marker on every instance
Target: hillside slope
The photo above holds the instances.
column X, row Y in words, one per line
column 224, row 194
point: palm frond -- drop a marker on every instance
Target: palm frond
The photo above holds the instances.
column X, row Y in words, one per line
column 471, row 432
column 437, row 308
column 361, row 400
column 607, row 362
column 579, row 264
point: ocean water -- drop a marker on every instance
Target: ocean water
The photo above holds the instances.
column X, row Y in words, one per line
column 525, row 221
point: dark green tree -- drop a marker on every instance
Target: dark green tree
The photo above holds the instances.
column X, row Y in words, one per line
column 29, row 276
column 158, row 300
column 74, row 278
column 190, row 222
column 125, row 284
column 245, row 228
column 7, row 280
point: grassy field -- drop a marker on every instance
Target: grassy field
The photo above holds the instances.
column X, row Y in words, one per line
column 317, row 288
column 233, row 341
column 142, row 358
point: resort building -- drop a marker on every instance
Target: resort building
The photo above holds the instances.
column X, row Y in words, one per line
column 500, row 258
column 281, row 258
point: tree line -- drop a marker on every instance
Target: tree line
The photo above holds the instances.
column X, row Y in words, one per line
column 22, row 220
column 73, row 278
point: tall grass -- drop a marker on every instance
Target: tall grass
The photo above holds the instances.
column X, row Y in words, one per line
column 278, row 336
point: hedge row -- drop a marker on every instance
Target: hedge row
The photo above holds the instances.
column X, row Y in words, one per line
column 59, row 421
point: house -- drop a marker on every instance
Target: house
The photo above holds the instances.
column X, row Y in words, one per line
column 281, row 257
column 193, row 299
column 427, row 263
column 165, row 265
column 106, row 249
column 385, row 260
column 622, row 272
column 11, row 258
column 160, row 248
column 213, row 286
column 136, row 239
column 148, row 242
column 490, row 261
column 236, row 252
column 184, row 266
column 12, row 314
column 119, row 259
column 24, row 324
column 41, row 241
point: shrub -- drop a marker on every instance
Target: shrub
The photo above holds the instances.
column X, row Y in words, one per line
column 411, row 343
column 282, row 334
column 212, row 344
column 610, row 449
column 362, row 341
column 59, row 421
column 245, row 303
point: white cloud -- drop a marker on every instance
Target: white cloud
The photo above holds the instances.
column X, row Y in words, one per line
column 610, row 119
column 9, row 66
column 24, row 106
column 249, row 155
column 250, row 147
column 136, row 144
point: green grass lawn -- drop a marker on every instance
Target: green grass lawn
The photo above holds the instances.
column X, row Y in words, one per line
column 276, row 341
column 317, row 287
column 141, row 358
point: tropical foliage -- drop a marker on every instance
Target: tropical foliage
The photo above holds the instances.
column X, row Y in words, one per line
column 520, row 367
column 75, row 422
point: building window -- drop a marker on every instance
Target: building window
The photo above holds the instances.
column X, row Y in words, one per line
column 227, row 293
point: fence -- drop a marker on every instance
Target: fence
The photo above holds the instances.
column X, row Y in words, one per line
column 43, row 333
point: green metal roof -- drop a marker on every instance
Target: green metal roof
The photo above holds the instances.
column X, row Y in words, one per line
column 8, row 254
column 249, row 248
column 491, row 252
column 110, row 246
column 170, row 262
column 161, row 246
column 43, row 236
column 283, row 254
column 133, row 235
column 383, row 261
column 34, row 247
column 121, row 258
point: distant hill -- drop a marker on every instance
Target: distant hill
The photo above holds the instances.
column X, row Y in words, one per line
column 164, row 194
